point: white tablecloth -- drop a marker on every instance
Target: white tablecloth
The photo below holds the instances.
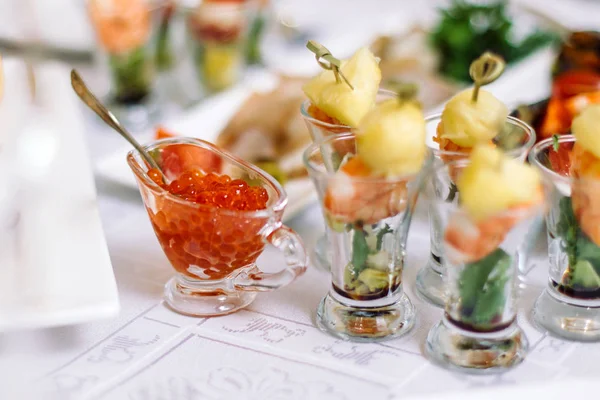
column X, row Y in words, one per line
column 271, row 350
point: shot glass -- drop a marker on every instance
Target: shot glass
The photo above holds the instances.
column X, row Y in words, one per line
column 479, row 329
column 125, row 36
column 320, row 126
column 367, row 222
column 570, row 305
column 515, row 139
column 218, row 38
column 214, row 250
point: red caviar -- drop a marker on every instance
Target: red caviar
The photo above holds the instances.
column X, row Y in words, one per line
column 215, row 190
column 208, row 242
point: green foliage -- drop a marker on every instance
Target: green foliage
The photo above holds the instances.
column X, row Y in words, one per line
column 582, row 253
column 567, row 228
column 131, row 74
column 253, row 55
column 368, row 271
column 481, row 288
column 360, row 249
column 555, row 142
column 467, row 30
column 386, row 229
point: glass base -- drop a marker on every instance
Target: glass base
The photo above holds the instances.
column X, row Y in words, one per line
column 322, row 254
column 430, row 284
column 203, row 299
column 570, row 321
column 366, row 324
column 455, row 348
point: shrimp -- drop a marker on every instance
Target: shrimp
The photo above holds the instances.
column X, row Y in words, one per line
column 316, row 113
column 584, row 163
column 468, row 240
column 121, row 25
column 352, row 196
column 585, row 193
column 578, row 103
column 320, row 115
column 447, row 145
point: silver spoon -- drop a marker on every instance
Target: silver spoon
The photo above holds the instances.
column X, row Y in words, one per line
column 94, row 104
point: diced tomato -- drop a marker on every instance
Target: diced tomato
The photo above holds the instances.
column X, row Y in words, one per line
column 162, row 133
column 560, row 159
column 177, row 158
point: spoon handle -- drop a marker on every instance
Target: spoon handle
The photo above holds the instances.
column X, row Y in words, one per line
column 94, row 104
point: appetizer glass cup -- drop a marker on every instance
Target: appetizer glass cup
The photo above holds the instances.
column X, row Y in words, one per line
column 367, row 221
column 125, row 33
column 320, row 130
column 479, row 330
column 570, row 304
column 515, row 139
column 213, row 250
column 218, row 37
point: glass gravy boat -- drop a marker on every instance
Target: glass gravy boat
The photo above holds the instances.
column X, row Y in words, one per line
column 214, row 250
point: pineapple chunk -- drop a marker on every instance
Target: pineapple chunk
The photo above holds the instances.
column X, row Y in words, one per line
column 338, row 100
column 494, row 182
column 586, row 128
column 391, row 138
column 466, row 122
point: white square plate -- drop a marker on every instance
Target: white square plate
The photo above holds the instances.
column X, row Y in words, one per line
column 56, row 268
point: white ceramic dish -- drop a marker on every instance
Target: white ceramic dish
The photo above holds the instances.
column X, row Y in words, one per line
column 56, row 268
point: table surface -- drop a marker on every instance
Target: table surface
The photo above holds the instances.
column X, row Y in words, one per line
column 271, row 350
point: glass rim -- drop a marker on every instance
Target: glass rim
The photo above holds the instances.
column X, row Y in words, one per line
column 152, row 5
column 543, row 145
column 315, row 148
column 246, row 5
column 524, row 148
column 306, row 103
column 551, row 174
column 278, row 205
